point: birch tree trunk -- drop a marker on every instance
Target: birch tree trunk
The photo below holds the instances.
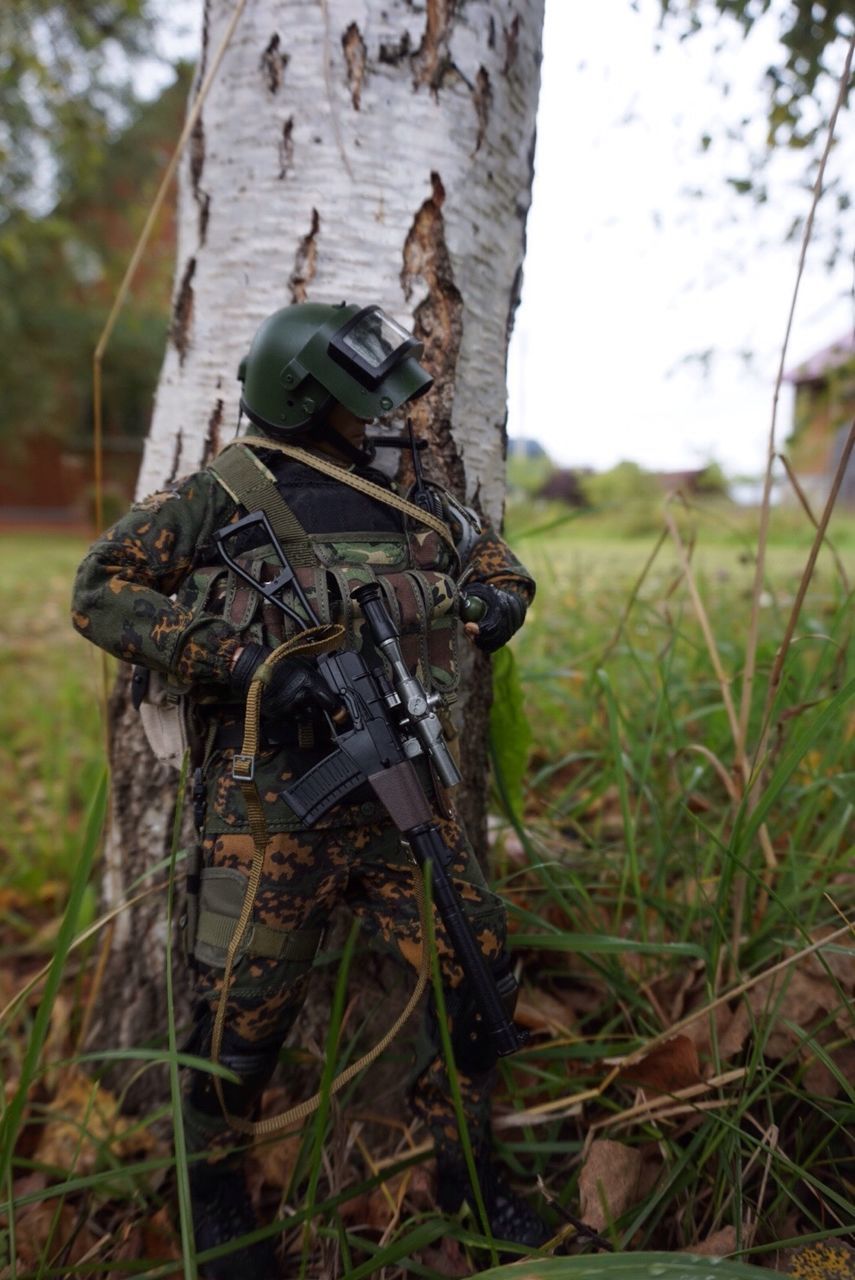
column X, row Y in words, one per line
column 367, row 150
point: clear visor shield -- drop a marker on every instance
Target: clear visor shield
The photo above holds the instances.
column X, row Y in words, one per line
column 371, row 344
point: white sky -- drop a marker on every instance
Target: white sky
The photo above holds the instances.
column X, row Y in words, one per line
column 627, row 275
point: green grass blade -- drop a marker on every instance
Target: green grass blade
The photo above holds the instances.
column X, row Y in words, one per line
column 91, row 841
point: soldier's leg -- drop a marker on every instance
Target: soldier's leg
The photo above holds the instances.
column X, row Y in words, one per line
column 381, row 892
column 302, row 878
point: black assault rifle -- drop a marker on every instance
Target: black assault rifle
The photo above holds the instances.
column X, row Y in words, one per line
column 383, row 727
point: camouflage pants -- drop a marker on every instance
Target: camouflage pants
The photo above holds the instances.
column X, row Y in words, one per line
column 354, row 857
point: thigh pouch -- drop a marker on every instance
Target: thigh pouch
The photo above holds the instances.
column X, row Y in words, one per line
column 221, row 896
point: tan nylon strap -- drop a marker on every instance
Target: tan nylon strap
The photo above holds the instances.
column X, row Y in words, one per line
column 246, row 479
column 367, row 487
column 312, row 641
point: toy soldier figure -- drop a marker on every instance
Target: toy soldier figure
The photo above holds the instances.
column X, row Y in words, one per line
column 155, row 590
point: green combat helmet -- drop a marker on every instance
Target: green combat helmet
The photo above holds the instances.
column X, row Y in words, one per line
column 305, row 357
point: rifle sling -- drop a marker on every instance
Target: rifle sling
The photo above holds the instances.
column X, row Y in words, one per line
column 311, row 642
column 330, row 468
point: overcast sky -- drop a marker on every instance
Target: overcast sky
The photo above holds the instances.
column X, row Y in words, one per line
column 628, row 275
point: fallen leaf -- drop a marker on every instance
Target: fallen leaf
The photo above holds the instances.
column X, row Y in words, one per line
column 272, row 1161
column 35, row 1225
column 608, row 1183
column 669, row 1067
column 447, row 1259
column 82, row 1118
column 716, row 1245
column 160, row 1241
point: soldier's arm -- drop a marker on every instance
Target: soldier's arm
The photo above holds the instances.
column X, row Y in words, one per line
column 491, row 561
column 123, row 595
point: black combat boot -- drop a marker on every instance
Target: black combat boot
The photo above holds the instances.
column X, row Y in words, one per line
column 223, row 1212
column 511, row 1218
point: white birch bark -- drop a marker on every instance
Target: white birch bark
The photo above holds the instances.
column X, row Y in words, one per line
column 367, row 150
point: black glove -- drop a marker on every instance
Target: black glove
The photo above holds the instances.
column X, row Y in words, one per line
column 295, row 684
column 504, row 615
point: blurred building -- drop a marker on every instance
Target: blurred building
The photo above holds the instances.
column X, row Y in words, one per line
column 823, row 414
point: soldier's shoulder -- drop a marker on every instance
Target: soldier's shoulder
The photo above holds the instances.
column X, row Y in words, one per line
column 195, row 489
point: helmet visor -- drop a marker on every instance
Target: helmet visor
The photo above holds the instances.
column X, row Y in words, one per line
column 371, row 344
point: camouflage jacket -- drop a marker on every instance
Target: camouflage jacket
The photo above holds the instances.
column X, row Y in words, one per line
column 153, row 590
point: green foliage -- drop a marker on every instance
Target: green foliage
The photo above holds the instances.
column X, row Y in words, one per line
column 58, row 276
column 526, row 476
column 807, row 31
column 510, row 733
column 64, row 76
column 629, row 495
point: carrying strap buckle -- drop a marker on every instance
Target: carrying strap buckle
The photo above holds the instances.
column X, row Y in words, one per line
column 243, row 767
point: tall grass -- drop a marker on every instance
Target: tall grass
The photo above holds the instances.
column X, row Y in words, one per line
column 642, row 904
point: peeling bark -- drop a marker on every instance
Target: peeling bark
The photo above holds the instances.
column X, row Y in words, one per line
column 182, row 312
column 438, row 322
column 355, row 58
column 272, row 64
column 432, row 60
column 305, row 262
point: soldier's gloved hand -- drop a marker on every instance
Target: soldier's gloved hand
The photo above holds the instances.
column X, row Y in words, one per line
column 295, row 684
column 504, row 614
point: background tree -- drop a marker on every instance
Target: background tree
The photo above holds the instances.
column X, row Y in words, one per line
column 360, row 150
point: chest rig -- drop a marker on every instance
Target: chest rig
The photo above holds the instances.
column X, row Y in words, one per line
column 340, row 531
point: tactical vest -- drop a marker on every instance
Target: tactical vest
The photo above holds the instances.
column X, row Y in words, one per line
column 340, row 540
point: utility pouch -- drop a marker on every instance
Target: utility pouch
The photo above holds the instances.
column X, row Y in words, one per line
column 221, row 895
column 166, row 716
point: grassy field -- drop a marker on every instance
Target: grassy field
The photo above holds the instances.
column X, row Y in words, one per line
column 679, row 882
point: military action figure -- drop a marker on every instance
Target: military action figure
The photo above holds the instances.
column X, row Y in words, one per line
column 155, row 590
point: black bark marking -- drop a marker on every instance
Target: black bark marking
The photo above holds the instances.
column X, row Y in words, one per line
column 203, row 53
column 522, row 214
column 393, row 54
column 176, row 457
column 491, row 33
column 305, row 262
column 212, row 435
column 438, row 323
column 272, row 64
column 512, row 43
column 355, row 58
column 197, row 164
column 482, row 97
column 182, row 312
column 286, row 147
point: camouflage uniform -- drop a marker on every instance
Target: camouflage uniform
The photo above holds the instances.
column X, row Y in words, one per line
column 152, row 590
